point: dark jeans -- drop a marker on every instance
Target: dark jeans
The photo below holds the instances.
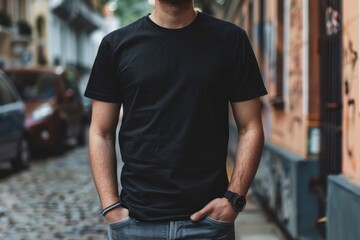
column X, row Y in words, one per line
column 208, row 228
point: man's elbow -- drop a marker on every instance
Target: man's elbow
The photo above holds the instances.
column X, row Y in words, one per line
column 255, row 128
column 107, row 134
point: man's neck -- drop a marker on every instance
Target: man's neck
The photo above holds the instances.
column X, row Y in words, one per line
column 173, row 17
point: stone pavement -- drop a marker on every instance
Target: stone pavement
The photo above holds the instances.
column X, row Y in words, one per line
column 254, row 224
column 56, row 199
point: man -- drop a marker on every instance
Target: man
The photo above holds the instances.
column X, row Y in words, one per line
column 175, row 72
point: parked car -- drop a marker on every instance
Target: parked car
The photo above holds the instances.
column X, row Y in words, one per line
column 14, row 145
column 54, row 109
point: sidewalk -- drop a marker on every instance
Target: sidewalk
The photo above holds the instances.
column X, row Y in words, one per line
column 254, row 224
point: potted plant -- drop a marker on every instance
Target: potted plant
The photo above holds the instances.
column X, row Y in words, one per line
column 5, row 19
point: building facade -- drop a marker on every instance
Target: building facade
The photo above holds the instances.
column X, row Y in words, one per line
column 344, row 189
column 15, row 33
column 309, row 176
column 64, row 32
column 61, row 33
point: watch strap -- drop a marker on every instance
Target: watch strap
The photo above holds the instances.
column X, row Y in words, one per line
column 231, row 196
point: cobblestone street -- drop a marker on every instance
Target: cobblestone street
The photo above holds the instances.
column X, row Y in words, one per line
column 54, row 199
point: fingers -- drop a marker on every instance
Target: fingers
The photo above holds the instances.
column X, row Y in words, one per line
column 203, row 212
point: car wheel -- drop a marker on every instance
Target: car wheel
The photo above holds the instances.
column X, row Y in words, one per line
column 23, row 159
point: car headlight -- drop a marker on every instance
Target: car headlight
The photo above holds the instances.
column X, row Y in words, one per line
column 42, row 112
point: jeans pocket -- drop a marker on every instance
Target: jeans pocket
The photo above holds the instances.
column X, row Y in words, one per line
column 218, row 222
column 120, row 223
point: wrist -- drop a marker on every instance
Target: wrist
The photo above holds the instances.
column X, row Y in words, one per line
column 237, row 190
column 116, row 215
column 110, row 207
column 108, row 200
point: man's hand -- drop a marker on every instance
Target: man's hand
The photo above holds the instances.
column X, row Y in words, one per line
column 218, row 209
column 117, row 215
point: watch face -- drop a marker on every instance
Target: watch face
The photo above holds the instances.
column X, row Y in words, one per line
column 240, row 203
column 237, row 201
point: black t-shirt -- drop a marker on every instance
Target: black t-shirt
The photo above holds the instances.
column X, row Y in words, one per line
column 175, row 86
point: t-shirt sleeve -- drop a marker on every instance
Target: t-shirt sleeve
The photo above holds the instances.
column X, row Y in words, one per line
column 103, row 84
column 246, row 81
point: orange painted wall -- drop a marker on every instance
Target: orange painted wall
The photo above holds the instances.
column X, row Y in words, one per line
column 286, row 127
column 289, row 126
column 351, row 78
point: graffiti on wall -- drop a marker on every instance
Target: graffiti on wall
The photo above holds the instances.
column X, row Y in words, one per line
column 295, row 71
column 350, row 60
column 274, row 184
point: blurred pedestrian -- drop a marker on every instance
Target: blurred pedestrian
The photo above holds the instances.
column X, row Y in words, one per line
column 175, row 72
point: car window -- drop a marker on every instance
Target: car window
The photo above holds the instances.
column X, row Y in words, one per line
column 6, row 93
column 34, row 86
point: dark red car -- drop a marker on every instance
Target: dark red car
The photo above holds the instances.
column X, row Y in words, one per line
column 54, row 109
column 14, row 145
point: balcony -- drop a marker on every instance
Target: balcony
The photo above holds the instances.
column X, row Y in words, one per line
column 78, row 14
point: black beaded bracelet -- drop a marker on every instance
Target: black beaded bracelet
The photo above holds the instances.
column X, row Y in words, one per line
column 109, row 208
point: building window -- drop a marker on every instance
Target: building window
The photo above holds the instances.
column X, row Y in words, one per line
column 278, row 99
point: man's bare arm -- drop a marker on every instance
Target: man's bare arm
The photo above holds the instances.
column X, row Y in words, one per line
column 247, row 116
column 102, row 136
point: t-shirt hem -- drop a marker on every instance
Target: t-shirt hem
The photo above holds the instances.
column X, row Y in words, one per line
column 145, row 218
column 251, row 95
column 100, row 97
column 160, row 219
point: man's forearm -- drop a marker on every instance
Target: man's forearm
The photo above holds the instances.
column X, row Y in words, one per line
column 247, row 160
column 103, row 165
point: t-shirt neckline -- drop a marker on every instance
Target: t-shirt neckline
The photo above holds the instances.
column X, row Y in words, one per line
column 173, row 30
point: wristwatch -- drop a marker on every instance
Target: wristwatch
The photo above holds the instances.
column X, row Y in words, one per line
column 237, row 201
